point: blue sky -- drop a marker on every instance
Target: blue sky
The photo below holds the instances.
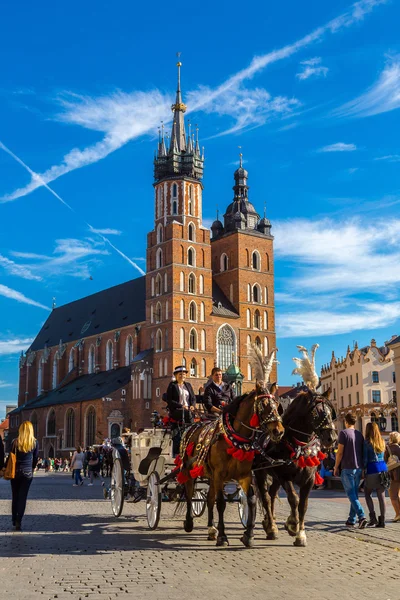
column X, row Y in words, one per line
column 310, row 91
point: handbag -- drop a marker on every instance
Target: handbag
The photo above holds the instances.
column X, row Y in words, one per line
column 384, row 477
column 9, row 471
column 393, row 461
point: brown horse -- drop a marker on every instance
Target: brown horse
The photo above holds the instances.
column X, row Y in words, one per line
column 223, row 451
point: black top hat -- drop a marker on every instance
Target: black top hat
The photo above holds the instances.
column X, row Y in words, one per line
column 180, row 369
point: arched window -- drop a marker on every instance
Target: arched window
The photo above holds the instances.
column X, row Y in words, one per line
column 159, row 233
column 160, row 367
column 165, row 283
column 249, row 373
column 258, row 343
column 224, row 262
column 266, row 262
column 265, row 295
column 193, row 368
column 394, row 422
column 265, row 320
column 174, row 190
column 182, row 338
column 152, row 286
column 40, row 378
column 91, row 360
column 54, row 377
column 226, row 347
column 174, row 207
column 182, row 282
column 165, row 366
column 166, row 310
column 203, row 339
column 256, row 293
column 192, row 284
column 201, row 284
column 202, row 311
column 159, row 259
column 192, row 311
column 159, row 340
column 70, row 428
column 90, row 426
column 128, row 350
column 151, row 314
column 71, row 360
column 257, row 319
column 158, row 315
column 193, row 339
column 256, row 260
column 51, row 422
column 158, row 285
column 203, row 367
column 191, row 257
column 34, row 421
column 248, row 292
column 109, row 355
column 266, row 349
column 182, row 309
column 190, row 203
column 191, row 232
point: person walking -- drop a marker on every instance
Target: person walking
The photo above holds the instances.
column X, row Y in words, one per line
column 94, row 465
column 393, row 450
column 374, row 465
column 77, row 465
column 349, row 458
column 26, row 450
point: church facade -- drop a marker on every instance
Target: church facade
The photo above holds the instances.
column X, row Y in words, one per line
column 103, row 362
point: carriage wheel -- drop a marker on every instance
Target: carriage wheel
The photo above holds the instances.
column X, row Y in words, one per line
column 117, row 487
column 243, row 507
column 199, row 503
column 153, row 500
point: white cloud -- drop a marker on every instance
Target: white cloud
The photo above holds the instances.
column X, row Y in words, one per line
column 122, row 117
column 4, row 384
column 106, row 231
column 19, row 297
column 13, row 268
column 382, row 97
column 14, row 345
column 389, row 158
column 312, row 67
column 339, row 147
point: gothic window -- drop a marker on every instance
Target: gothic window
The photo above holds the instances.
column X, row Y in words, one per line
column 165, row 366
column 257, row 319
column 193, row 339
column 159, row 233
column 202, row 312
column 265, row 295
column 90, row 426
column 70, row 428
column 192, row 311
column 193, row 368
column 159, row 259
column 40, row 378
column 256, row 261
column 54, row 377
column 51, row 423
column 226, row 347
column 224, row 262
column 174, row 190
column 159, row 340
column 151, row 314
column 265, row 346
column 158, row 203
column 91, row 360
column 160, row 367
column 165, row 283
column 128, row 350
column 71, row 360
column 248, row 318
column 158, row 313
column 256, row 293
column 192, row 284
column 191, row 257
column 182, row 338
column 265, row 320
column 258, row 343
column 394, row 422
column 109, row 355
column 201, row 284
column 203, row 367
column 203, row 339
column 166, row 310
column 34, row 421
column 182, row 282
column 266, row 262
column 158, row 285
column 191, row 232
column 182, row 309
column 174, row 207
column 152, row 286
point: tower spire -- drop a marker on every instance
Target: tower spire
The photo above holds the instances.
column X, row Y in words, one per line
column 178, row 138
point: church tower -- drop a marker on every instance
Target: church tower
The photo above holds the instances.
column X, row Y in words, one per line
column 179, row 276
column 243, row 267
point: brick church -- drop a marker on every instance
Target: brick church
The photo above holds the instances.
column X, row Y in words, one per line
column 103, row 362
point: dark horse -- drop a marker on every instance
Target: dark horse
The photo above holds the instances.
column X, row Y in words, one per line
column 223, row 451
column 309, row 427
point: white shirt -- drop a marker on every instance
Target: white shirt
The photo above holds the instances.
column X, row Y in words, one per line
column 183, row 395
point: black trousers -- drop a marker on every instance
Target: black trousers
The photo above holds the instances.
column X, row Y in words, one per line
column 20, row 488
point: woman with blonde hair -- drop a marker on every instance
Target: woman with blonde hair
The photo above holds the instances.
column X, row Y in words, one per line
column 25, row 448
column 393, row 449
column 374, row 464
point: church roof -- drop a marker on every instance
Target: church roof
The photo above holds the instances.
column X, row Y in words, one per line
column 86, row 387
column 221, row 305
column 112, row 308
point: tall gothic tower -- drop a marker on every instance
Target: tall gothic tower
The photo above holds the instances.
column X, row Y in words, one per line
column 243, row 267
column 179, row 276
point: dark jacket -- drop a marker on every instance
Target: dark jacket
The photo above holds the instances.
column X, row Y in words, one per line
column 175, row 408
column 26, row 461
column 213, row 395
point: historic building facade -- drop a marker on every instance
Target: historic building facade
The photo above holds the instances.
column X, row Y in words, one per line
column 103, row 362
column 363, row 383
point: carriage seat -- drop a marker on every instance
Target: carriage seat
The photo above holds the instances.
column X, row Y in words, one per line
column 145, row 463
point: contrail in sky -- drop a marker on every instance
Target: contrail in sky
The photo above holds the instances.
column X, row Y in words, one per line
column 92, row 229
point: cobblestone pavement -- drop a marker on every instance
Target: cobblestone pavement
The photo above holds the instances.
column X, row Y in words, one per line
column 71, row 547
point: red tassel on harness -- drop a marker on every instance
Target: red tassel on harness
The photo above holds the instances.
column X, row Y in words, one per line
column 182, row 478
column 178, row 461
column 321, row 455
column 301, row 463
column 309, row 461
column 189, row 449
column 316, row 461
column 231, row 450
column 239, row 454
column 249, row 455
column 197, row 471
column 254, row 421
column 318, row 480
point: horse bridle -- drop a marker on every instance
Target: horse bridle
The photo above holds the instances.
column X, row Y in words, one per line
column 328, row 413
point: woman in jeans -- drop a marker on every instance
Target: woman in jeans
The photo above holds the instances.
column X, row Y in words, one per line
column 374, row 464
column 77, row 465
column 394, row 490
column 26, row 450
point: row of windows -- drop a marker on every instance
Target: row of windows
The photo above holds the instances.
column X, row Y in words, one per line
column 191, row 233
column 376, row 397
column 141, row 384
column 374, row 379
column 70, row 440
column 254, row 294
column 349, row 381
column 174, row 200
column 254, row 262
column 255, row 321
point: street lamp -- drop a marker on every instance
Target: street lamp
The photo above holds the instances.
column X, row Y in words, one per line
column 382, row 423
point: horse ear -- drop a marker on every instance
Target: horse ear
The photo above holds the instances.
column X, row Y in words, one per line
column 327, row 394
column 272, row 388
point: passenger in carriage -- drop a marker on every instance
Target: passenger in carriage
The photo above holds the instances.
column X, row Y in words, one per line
column 181, row 403
column 217, row 394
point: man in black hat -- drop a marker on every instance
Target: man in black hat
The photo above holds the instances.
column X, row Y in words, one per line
column 181, row 402
column 217, row 394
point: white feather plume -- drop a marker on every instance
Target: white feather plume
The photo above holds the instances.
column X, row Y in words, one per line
column 262, row 366
column 305, row 367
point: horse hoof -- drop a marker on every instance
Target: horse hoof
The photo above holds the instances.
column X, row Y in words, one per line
column 247, row 541
column 272, row 535
column 300, row 542
column 212, row 534
column 222, row 541
column 188, row 526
